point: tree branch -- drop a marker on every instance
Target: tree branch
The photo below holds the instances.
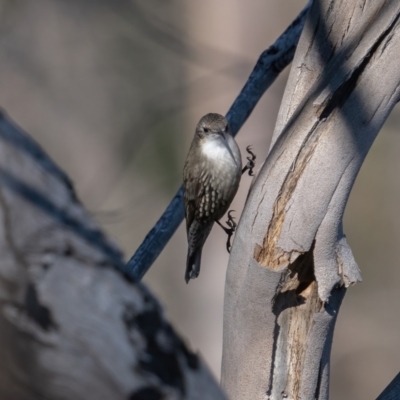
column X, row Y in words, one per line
column 392, row 392
column 290, row 263
column 269, row 65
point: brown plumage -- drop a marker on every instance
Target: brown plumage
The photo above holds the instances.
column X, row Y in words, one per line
column 211, row 178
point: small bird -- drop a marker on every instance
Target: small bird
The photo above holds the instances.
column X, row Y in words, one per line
column 211, row 178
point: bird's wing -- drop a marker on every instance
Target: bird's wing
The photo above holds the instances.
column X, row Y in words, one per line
column 192, row 192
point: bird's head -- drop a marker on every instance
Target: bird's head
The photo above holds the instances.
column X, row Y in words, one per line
column 212, row 126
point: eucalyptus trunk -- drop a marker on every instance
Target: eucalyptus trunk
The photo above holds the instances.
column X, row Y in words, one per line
column 290, row 263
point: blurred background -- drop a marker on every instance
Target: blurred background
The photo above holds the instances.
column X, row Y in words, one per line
column 112, row 89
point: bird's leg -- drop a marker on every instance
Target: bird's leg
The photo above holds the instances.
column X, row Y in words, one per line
column 250, row 162
column 229, row 231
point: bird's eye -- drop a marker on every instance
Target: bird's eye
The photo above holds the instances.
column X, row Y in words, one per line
column 205, row 130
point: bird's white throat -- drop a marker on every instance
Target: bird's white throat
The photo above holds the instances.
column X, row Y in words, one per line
column 215, row 150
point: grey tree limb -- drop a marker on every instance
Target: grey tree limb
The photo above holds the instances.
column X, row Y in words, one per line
column 72, row 325
column 269, row 65
column 290, row 264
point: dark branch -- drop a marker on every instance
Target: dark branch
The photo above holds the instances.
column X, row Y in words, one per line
column 392, row 392
column 270, row 64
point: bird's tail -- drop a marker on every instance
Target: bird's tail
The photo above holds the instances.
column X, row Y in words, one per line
column 193, row 264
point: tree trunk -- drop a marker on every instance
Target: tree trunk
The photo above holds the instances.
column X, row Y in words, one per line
column 290, row 264
column 72, row 326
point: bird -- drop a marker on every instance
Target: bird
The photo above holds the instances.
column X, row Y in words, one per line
column 211, row 177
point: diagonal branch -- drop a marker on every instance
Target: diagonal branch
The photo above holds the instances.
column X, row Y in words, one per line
column 392, row 391
column 269, row 65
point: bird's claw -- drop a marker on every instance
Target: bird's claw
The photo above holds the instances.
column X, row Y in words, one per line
column 250, row 162
column 232, row 225
column 229, row 231
column 231, row 220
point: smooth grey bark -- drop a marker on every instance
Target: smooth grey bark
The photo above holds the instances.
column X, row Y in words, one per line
column 72, row 326
column 290, row 263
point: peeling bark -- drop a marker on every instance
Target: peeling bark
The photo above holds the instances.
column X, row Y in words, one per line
column 290, row 263
column 72, row 326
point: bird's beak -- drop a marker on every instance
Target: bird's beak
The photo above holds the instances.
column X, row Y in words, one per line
column 225, row 142
column 221, row 133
